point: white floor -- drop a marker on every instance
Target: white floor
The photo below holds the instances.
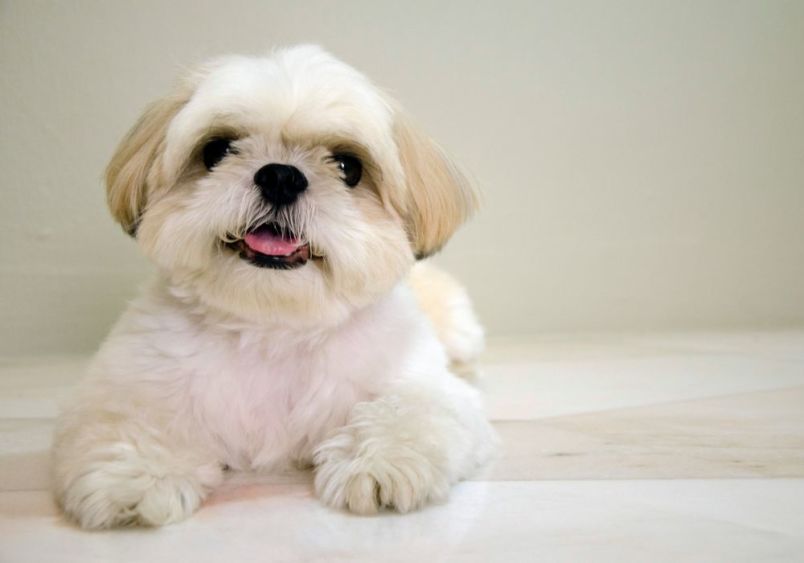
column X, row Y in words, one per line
column 635, row 448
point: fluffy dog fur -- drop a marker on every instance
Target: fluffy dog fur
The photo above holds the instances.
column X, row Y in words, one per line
column 334, row 364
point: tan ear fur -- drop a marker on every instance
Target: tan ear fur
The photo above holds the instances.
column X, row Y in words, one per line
column 130, row 175
column 439, row 197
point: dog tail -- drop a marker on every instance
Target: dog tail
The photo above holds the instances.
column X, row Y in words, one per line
column 446, row 303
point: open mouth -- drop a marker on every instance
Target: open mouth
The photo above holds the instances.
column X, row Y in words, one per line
column 271, row 246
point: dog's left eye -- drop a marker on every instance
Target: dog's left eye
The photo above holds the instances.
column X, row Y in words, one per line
column 351, row 168
column 215, row 150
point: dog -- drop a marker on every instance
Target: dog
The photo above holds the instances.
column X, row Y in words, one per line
column 288, row 205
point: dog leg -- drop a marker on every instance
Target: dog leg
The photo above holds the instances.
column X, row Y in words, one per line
column 405, row 448
column 110, row 471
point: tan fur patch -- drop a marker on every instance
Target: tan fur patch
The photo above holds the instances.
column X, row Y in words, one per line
column 131, row 173
column 440, row 198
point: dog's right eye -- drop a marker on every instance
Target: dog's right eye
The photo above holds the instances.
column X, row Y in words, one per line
column 215, row 150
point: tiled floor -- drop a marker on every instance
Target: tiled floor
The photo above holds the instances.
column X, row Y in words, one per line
column 634, row 448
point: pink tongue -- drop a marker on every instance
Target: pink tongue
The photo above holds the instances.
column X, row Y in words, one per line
column 265, row 242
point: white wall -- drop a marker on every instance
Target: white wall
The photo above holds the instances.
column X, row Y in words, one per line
column 642, row 162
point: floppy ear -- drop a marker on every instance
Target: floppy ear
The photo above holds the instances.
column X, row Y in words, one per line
column 131, row 174
column 437, row 196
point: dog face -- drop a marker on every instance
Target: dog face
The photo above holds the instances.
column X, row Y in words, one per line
column 283, row 188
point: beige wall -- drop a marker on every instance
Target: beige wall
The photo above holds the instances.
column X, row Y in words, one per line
column 642, row 162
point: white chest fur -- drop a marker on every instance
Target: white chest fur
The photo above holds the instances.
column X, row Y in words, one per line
column 262, row 397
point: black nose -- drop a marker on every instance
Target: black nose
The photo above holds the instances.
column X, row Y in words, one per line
column 280, row 184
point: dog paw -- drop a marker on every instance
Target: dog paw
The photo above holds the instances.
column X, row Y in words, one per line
column 366, row 479
column 120, row 493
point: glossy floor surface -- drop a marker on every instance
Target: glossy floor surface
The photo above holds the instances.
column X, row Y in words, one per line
column 632, row 448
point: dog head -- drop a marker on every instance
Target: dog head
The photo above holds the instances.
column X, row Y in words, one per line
column 286, row 187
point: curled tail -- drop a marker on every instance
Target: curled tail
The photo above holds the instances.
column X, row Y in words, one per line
column 446, row 303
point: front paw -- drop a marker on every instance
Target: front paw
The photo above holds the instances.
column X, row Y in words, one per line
column 124, row 490
column 366, row 476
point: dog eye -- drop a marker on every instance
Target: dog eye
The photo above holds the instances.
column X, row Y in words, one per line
column 351, row 168
column 215, row 150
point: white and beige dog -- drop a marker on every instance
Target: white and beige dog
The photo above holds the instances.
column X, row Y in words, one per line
column 284, row 201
